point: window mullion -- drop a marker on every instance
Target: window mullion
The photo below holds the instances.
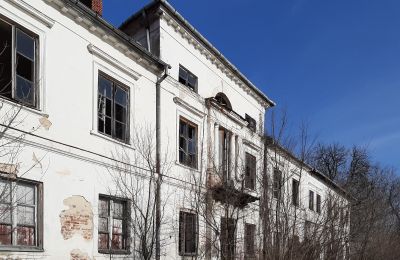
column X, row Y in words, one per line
column 14, row 213
column 114, row 90
column 110, row 224
column 13, row 61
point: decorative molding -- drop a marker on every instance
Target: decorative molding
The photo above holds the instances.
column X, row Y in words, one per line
column 104, row 56
column 211, row 57
column 252, row 145
column 185, row 89
column 230, row 114
column 187, row 106
column 30, row 10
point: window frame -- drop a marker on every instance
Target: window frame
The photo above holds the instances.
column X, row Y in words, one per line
column 252, row 253
column 38, row 215
column 186, row 81
column 251, row 168
column 186, row 152
column 277, row 184
column 15, row 26
column 295, row 192
column 126, row 225
column 318, row 203
column 182, row 242
column 115, row 84
column 252, row 123
column 311, row 200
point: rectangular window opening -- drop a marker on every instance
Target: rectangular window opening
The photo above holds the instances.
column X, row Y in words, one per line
column 187, row 78
column 187, row 234
column 295, row 192
column 311, row 200
column 187, row 143
column 250, row 178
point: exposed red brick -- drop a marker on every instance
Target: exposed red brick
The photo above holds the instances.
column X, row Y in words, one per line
column 77, row 219
column 97, row 6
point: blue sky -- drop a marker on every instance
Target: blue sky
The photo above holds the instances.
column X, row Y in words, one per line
column 333, row 64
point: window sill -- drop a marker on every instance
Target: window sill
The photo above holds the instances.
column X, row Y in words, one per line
column 20, row 249
column 18, row 105
column 95, row 133
column 186, row 167
column 114, row 252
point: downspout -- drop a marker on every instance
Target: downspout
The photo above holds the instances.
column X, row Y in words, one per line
column 158, row 160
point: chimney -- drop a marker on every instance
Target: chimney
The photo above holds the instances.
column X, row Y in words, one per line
column 95, row 5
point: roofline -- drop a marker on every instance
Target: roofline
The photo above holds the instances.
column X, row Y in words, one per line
column 203, row 40
column 78, row 6
column 269, row 141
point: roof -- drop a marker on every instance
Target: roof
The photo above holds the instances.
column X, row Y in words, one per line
column 171, row 10
column 83, row 9
column 270, row 142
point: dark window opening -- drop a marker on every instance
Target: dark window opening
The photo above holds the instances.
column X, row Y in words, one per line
column 252, row 123
column 249, row 241
column 228, row 238
column 88, row 3
column 223, row 100
column 113, row 108
column 187, row 78
column 318, row 203
column 311, row 200
column 18, row 60
column 250, row 178
column 187, row 143
column 277, row 182
column 295, row 192
column 224, row 154
column 187, row 234
column 113, row 224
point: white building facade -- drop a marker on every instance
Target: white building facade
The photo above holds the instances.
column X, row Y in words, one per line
column 103, row 128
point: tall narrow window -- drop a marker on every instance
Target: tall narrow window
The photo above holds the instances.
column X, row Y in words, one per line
column 224, row 154
column 113, row 108
column 318, row 203
column 112, row 227
column 249, row 243
column 250, row 178
column 19, row 212
column 311, row 200
column 187, row 78
column 187, row 143
column 228, row 238
column 252, row 123
column 187, row 234
column 18, row 63
column 277, row 183
column 295, row 192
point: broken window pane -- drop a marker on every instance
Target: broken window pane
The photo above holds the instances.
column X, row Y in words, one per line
column 25, row 45
column 26, row 236
column 5, row 234
column 187, row 78
column 187, row 144
column 25, row 194
column 5, row 59
column 103, row 241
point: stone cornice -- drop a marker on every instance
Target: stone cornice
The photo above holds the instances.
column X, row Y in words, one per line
column 33, row 12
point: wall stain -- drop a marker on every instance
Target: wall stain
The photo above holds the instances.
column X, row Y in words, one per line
column 77, row 219
column 77, row 254
column 45, row 122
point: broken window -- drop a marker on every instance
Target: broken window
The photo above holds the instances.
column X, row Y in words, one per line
column 18, row 63
column 250, row 178
column 112, row 226
column 187, row 234
column 277, row 183
column 295, row 192
column 223, row 100
column 187, row 143
column 318, row 203
column 228, row 238
column 113, row 108
column 252, row 123
column 311, row 200
column 19, row 206
column 187, row 78
column 249, row 243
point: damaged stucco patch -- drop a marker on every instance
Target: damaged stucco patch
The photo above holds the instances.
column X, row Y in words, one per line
column 77, row 254
column 45, row 122
column 77, row 219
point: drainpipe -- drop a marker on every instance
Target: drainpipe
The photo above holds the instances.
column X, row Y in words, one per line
column 158, row 160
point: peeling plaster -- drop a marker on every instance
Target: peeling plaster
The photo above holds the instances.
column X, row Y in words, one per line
column 45, row 123
column 77, row 219
column 77, row 254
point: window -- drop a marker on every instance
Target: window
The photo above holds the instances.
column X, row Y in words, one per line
column 249, row 237
column 187, row 78
column 228, row 238
column 187, row 234
column 113, row 108
column 224, row 154
column 318, row 203
column 18, row 64
column 311, row 200
column 187, row 143
column 295, row 192
column 113, row 225
column 20, row 214
column 223, row 101
column 252, row 123
column 250, row 178
column 277, row 183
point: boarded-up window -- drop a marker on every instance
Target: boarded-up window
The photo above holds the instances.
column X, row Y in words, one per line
column 19, row 201
column 187, row 234
column 228, row 238
column 187, row 78
column 295, row 192
column 113, row 224
column 250, row 178
column 277, row 183
column 249, row 241
column 187, row 143
column 318, row 203
column 113, row 108
column 311, row 200
column 18, row 60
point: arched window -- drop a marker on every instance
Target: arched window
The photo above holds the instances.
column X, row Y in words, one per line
column 223, row 100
